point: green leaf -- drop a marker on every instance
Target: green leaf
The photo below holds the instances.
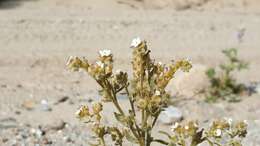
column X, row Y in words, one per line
column 211, row 73
column 130, row 137
column 120, row 118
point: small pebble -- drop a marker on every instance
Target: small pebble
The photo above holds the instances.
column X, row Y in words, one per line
column 4, row 86
column 28, row 104
column 62, row 99
column 45, row 105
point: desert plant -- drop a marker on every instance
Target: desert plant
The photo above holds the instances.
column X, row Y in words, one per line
column 147, row 99
column 222, row 84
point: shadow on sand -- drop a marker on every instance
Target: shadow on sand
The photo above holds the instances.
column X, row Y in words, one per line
column 9, row 4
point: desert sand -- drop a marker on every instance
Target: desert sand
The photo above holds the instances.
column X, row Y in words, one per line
column 37, row 37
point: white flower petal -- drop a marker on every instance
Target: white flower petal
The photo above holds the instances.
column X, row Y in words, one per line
column 100, row 64
column 246, row 122
column 157, row 93
column 136, row 42
column 105, row 53
column 218, row 132
column 174, row 126
column 229, row 121
column 71, row 58
column 78, row 112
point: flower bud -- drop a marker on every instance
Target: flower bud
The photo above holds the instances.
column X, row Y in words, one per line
column 83, row 112
column 97, row 108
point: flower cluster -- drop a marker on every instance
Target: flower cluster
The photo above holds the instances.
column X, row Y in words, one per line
column 221, row 132
column 84, row 112
column 151, row 78
column 147, row 97
column 99, row 70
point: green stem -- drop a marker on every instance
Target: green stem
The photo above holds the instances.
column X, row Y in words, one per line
column 155, row 119
column 160, row 141
column 114, row 98
column 115, row 101
column 133, row 110
column 103, row 143
column 118, row 107
column 212, row 143
column 131, row 100
column 147, row 135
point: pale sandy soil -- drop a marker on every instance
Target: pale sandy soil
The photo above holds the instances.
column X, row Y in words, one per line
column 36, row 38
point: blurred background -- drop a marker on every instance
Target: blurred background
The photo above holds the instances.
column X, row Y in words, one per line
column 38, row 95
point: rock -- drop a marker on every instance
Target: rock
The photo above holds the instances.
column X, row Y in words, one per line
column 67, row 139
column 176, row 4
column 13, row 142
column 46, row 141
column 29, row 104
column 253, row 88
column 62, row 99
column 57, row 125
column 45, row 105
column 257, row 88
column 4, row 140
column 8, row 123
column 37, row 132
column 190, row 83
column 241, row 34
column 19, row 86
column 170, row 115
column 17, row 112
column 157, row 4
column 3, row 86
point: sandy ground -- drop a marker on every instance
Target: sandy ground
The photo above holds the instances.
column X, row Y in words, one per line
column 37, row 36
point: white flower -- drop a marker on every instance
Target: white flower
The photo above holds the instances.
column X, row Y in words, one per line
column 245, row 121
column 218, row 132
column 229, row 121
column 189, row 60
column 105, row 53
column 71, row 58
column 136, row 42
column 159, row 63
column 77, row 113
column 186, row 127
column 174, row 126
column 157, row 93
column 100, row 64
column 82, row 112
column 195, row 125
